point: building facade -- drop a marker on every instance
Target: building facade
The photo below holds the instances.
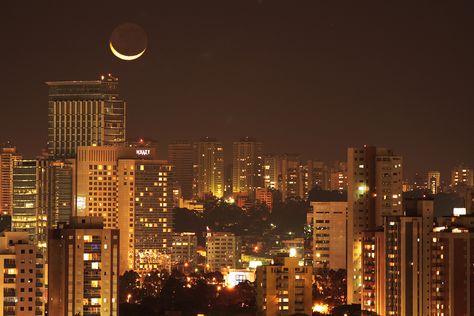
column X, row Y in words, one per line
column 247, row 163
column 222, row 251
column 22, row 275
column 83, row 265
column 180, row 155
column 208, row 168
column 329, row 235
column 84, row 113
column 284, row 287
column 374, row 191
column 145, row 218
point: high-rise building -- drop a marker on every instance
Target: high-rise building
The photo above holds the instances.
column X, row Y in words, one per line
column 22, row 275
column 373, row 271
column 374, row 191
column 222, row 251
column 57, row 190
column 247, row 163
column 84, row 113
column 29, row 214
column 462, row 176
column 8, row 155
column 292, row 177
column 83, row 268
column 396, row 264
column 133, row 191
column 284, row 287
column 184, row 249
column 145, row 218
column 329, row 235
column 97, row 182
column 434, row 181
column 208, row 168
column 180, row 155
column 451, row 290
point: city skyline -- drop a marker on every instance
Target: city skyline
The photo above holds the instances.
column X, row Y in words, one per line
column 352, row 85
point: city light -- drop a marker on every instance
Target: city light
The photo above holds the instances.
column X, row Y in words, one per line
column 321, row 308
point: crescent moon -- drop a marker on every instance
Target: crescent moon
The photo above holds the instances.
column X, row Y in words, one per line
column 125, row 57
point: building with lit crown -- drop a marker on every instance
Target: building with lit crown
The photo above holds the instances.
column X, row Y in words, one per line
column 84, row 113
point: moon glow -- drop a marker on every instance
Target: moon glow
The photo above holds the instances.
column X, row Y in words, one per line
column 128, row 41
column 125, row 57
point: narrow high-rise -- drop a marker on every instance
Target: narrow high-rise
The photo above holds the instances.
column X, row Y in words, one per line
column 208, row 168
column 434, row 181
column 8, row 155
column 180, row 155
column 247, row 163
column 84, row 113
column 374, row 191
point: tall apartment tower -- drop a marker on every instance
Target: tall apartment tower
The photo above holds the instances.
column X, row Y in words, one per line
column 180, row 155
column 8, row 155
column 451, row 290
column 84, row 113
column 22, row 275
column 145, row 217
column 247, row 163
column 284, row 287
column 97, row 182
column 83, row 268
column 208, row 168
column 374, row 191
column 434, row 181
column 330, row 235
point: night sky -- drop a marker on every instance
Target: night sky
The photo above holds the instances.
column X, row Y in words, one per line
column 309, row 77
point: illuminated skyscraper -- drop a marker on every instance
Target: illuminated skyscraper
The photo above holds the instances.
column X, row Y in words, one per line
column 8, row 155
column 84, row 113
column 247, row 163
column 83, row 268
column 374, row 191
column 97, row 183
column 180, row 155
column 29, row 214
column 434, row 181
column 208, row 168
column 145, row 218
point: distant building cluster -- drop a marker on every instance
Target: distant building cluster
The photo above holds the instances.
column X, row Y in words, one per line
column 95, row 204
